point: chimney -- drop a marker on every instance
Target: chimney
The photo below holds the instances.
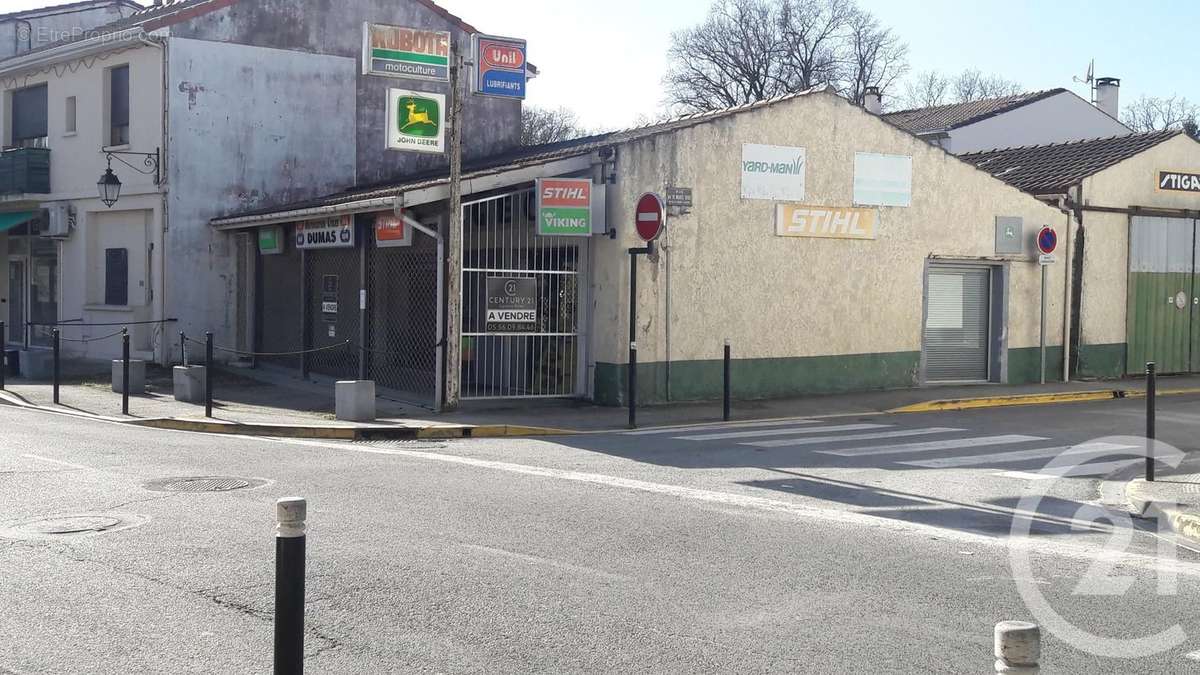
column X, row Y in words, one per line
column 1107, row 89
column 872, row 101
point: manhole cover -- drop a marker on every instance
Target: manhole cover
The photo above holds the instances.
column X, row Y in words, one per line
column 74, row 525
column 200, row 484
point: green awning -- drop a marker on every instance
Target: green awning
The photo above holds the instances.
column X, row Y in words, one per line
column 10, row 220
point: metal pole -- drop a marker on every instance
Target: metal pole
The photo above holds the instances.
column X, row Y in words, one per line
column 1042, row 332
column 631, row 377
column 3, row 354
column 725, row 408
column 57, row 369
column 363, row 355
column 290, row 514
column 182, row 349
column 124, row 371
column 1151, row 387
column 208, row 373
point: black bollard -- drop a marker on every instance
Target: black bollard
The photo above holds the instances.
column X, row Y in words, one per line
column 57, row 370
column 3, row 354
column 1151, row 386
column 725, row 409
column 124, row 371
column 290, row 514
column 208, row 373
column 182, row 348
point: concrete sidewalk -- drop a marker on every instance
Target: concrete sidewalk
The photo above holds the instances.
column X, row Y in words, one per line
column 255, row 401
column 1173, row 497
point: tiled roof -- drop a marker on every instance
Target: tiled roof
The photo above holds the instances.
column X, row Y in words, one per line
column 1052, row 168
column 521, row 157
column 953, row 115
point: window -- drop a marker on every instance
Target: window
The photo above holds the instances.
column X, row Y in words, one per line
column 116, row 276
column 29, row 117
column 118, row 105
column 69, row 125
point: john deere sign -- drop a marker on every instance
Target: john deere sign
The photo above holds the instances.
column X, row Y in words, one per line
column 416, row 121
column 396, row 51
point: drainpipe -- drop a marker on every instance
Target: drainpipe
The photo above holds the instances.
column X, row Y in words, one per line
column 1067, row 271
column 162, row 353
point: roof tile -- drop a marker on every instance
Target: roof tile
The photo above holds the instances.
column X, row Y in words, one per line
column 953, row 115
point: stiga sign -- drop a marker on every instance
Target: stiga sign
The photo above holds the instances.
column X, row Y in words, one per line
column 416, row 121
column 830, row 222
column 564, row 207
column 396, row 51
column 1178, row 181
column 499, row 66
column 331, row 233
column 511, row 304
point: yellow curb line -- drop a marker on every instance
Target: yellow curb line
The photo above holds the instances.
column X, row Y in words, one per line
column 1186, row 525
column 284, row 430
column 1180, row 391
column 1017, row 399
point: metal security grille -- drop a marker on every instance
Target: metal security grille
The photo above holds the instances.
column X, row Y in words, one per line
column 956, row 324
column 333, row 284
column 527, row 360
column 402, row 297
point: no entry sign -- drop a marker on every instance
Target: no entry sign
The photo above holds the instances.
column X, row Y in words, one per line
column 1047, row 240
column 649, row 216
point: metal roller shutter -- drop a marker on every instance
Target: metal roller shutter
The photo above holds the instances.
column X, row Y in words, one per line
column 956, row 324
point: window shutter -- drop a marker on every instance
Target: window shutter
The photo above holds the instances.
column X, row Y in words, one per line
column 116, row 276
column 29, row 113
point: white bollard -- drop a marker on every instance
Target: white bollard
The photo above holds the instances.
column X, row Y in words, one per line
column 1018, row 647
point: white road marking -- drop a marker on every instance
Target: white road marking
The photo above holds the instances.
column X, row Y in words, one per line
column 956, row 443
column 1095, row 449
column 898, row 433
column 780, row 432
column 1097, row 469
column 58, row 461
column 716, row 425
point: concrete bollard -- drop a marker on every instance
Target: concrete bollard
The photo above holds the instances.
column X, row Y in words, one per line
column 36, row 364
column 1018, row 647
column 354, row 400
column 189, row 383
column 137, row 376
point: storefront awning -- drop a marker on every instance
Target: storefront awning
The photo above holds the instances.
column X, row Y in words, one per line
column 11, row 220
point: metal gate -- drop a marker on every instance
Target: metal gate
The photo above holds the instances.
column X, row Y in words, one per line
column 956, row 324
column 1162, row 300
column 542, row 354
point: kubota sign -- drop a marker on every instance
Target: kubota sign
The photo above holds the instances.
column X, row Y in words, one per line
column 397, row 51
column 564, row 207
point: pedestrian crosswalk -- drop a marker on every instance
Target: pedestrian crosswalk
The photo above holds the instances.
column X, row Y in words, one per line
column 1012, row 455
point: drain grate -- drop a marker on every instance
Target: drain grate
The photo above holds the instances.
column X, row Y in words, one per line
column 71, row 525
column 200, row 484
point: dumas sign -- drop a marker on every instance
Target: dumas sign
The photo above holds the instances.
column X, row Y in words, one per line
column 330, row 233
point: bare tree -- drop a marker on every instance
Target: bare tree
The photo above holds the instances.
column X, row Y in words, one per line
column 548, row 125
column 1154, row 113
column 972, row 85
column 750, row 50
column 876, row 57
column 926, row 89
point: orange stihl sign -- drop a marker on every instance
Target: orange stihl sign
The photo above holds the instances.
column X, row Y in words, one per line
column 564, row 207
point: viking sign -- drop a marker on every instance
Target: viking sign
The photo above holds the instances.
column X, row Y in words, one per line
column 511, row 304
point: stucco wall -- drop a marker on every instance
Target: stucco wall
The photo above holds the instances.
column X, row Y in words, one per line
column 1132, row 182
column 1055, row 119
column 323, row 27
column 784, row 297
column 249, row 127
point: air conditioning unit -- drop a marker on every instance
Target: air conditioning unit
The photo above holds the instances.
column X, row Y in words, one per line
column 60, row 220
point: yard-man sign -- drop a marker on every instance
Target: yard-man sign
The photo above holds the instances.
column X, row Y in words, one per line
column 331, row 233
column 396, row 51
column 511, row 304
column 564, row 207
column 1178, row 181
column 773, row 172
column 831, row 222
column 416, row 120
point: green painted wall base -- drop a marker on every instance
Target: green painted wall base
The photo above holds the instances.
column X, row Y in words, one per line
column 1023, row 365
column 1107, row 361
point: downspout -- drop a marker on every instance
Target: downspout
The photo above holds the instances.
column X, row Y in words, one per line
column 162, row 354
column 1067, row 274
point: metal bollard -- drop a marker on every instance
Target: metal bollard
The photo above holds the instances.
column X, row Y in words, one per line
column 124, row 371
column 725, row 407
column 632, row 385
column 1151, row 392
column 182, row 349
column 3, row 354
column 208, row 373
column 290, row 514
column 1018, row 647
column 57, row 371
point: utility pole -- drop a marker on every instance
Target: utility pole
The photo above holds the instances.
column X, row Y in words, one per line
column 454, row 236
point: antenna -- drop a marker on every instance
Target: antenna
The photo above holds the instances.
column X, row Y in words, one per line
column 1089, row 79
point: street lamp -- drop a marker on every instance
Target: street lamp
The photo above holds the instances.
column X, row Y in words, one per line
column 109, row 185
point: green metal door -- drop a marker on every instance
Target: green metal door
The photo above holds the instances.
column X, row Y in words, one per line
column 1160, row 317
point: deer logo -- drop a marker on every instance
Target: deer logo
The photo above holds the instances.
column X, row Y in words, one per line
column 422, row 118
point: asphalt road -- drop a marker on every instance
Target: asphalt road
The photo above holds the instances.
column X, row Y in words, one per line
column 655, row 552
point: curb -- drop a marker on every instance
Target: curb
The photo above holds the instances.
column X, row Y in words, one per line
column 1011, row 400
column 307, row 431
column 1183, row 523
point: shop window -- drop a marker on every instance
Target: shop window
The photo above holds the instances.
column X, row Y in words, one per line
column 116, row 276
column 118, row 105
column 29, row 117
column 69, row 116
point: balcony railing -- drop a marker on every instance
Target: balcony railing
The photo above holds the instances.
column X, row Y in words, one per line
column 25, row 171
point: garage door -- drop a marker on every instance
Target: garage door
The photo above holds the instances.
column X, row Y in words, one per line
column 956, row 324
column 1162, row 325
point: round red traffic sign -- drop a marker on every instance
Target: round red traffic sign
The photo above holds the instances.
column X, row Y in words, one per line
column 1047, row 240
column 650, row 216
